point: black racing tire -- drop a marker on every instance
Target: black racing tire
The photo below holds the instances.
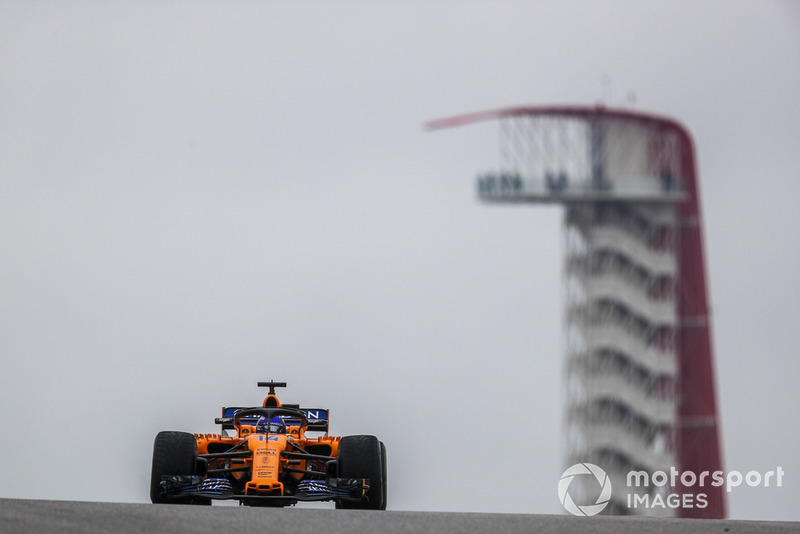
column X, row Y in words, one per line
column 363, row 457
column 174, row 453
column 383, row 474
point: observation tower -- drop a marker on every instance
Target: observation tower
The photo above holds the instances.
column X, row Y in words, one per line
column 639, row 370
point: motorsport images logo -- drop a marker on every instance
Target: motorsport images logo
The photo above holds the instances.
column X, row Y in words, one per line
column 584, row 469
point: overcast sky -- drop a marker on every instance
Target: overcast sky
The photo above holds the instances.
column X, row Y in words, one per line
column 195, row 196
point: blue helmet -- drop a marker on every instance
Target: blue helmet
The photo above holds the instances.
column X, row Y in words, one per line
column 271, row 426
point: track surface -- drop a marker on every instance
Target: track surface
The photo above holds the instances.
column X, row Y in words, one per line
column 19, row 516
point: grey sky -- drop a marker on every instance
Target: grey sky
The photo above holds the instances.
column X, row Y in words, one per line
column 198, row 195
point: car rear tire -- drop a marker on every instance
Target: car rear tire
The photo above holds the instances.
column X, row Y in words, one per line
column 174, row 453
column 383, row 474
column 364, row 457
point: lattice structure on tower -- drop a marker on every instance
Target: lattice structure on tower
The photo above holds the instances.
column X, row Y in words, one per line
column 638, row 363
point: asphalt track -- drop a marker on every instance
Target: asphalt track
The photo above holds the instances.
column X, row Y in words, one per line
column 21, row 516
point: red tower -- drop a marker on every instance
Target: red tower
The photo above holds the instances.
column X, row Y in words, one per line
column 639, row 358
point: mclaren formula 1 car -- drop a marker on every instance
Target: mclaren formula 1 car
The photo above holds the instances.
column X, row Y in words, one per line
column 266, row 456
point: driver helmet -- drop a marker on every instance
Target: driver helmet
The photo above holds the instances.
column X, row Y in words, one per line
column 271, row 426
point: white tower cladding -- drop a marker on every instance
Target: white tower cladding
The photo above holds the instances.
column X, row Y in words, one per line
column 628, row 186
column 621, row 365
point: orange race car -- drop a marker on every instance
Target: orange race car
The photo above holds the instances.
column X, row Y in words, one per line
column 264, row 457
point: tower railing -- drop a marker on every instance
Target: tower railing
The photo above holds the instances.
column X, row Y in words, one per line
column 607, row 286
column 608, row 385
column 610, row 336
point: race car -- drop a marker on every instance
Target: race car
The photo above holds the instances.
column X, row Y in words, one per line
column 266, row 456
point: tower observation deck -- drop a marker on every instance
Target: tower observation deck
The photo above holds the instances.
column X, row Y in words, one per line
column 639, row 367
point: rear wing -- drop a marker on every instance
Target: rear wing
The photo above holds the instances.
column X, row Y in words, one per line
column 317, row 418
